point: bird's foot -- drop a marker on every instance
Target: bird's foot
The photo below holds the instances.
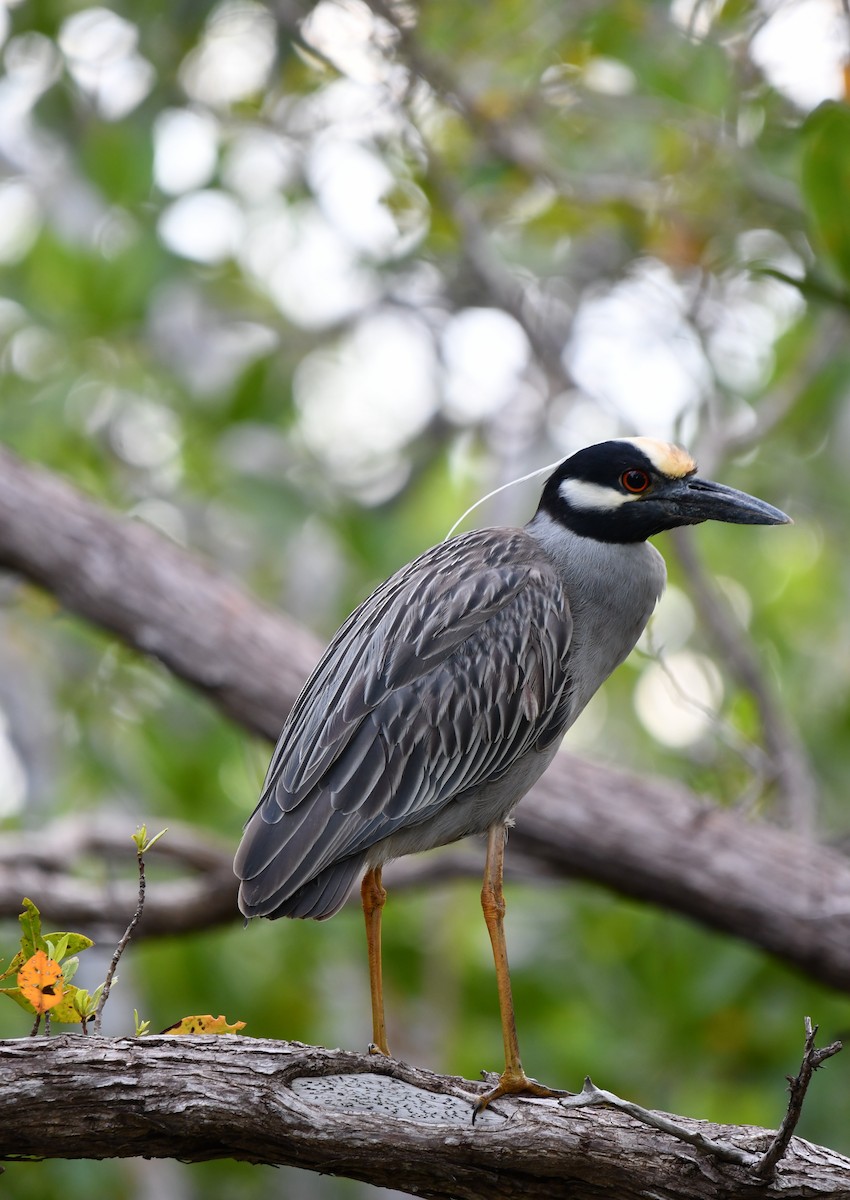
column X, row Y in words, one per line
column 383, row 1050
column 515, row 1082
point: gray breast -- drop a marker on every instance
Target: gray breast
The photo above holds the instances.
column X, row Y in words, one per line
column 612, row 589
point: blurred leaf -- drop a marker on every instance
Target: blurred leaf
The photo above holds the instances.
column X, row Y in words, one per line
column 119, row 160
column 825, row 175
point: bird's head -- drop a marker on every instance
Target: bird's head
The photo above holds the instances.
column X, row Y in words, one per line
column 630, row 489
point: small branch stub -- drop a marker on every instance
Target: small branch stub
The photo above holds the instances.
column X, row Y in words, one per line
column 798, row 1086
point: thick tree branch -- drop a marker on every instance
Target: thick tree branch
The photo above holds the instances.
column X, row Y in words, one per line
column 122, row 575
column 650, row 839
column 46, row 864
column 200, row 1098
column 644, row 837
column 654, row 840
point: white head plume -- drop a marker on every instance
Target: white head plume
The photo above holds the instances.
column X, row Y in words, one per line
column 502, row 488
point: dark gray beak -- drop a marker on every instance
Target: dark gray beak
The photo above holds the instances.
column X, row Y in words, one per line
column 697, row 500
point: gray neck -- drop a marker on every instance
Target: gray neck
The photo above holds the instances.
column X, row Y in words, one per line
column 612, row 589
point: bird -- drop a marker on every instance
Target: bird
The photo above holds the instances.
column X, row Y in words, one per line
column 445, row 695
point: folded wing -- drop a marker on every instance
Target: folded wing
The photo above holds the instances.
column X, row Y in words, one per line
column 442, row 679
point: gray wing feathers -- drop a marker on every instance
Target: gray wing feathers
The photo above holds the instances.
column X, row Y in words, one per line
column 445, row 676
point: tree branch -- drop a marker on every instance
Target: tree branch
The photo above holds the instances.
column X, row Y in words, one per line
column 813, row 1058
column 123, row 576
column 46, row 864
column 373, row 1119
column 644, row 837
column 725, row 1150
column 654, row 840
column 787, row 760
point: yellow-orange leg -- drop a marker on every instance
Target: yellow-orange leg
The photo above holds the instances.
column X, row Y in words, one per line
column 374, row 896
column 513, row 1079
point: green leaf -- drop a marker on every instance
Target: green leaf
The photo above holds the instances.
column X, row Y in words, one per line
column 69, row 968
column 118, row 159
column 57, row 950
column 825, row 178
column 76, row 942
column 15, row 965
column 31, row 937
column 66, row 1012
column 143, row 843
column 16, row 995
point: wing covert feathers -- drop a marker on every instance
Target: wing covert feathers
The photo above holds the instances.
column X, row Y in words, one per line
column 438, row 682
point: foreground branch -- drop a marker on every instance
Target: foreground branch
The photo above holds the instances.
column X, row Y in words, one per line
column 647, row 838
column 763, row 1164
column 373, row 1119
column 813, row 1058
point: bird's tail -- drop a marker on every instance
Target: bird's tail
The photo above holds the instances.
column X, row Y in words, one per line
column 318, row 899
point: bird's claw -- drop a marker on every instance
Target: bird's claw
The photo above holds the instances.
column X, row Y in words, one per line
column 374, row 1048
column 515, row 1083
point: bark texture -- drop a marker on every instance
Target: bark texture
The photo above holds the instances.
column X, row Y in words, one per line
column 120, row 574
column 198, row 1098
column 645, row 837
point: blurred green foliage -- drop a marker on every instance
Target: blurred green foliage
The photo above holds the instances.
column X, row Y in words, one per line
column 825, row 179
column 220, row 373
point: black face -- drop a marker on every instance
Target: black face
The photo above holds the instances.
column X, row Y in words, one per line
column 613, row 492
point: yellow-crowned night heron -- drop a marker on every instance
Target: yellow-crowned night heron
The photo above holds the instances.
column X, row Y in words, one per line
column 445, row 695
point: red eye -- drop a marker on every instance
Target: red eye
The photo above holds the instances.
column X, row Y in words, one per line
column 635, row 481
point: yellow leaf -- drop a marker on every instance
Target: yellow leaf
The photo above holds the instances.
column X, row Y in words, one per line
column 207, row 1024
column 40, row 981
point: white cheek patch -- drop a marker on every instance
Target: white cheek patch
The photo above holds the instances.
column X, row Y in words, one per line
column 578, row 493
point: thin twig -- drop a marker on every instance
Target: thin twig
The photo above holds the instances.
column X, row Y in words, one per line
column 590, row 1094
column 764, row 1166
column 798, row 1086
column 122, row 945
